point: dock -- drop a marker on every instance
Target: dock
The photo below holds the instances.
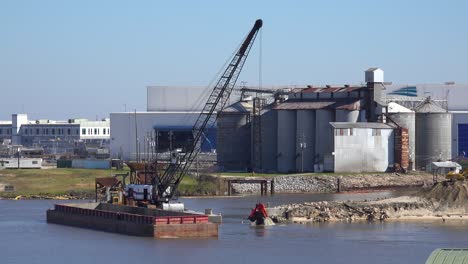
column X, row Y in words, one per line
column 263, row 185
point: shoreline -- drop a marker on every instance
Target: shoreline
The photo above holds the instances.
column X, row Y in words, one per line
column 354, row 191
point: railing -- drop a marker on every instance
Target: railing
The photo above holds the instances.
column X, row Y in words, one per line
column 133, row 218
column 171, row 220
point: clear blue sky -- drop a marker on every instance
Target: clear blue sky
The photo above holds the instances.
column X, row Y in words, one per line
column 62, row 59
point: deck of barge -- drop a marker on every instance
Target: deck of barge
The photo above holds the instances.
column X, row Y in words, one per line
column 135, row 221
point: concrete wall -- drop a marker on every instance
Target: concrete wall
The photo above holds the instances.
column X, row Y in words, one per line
column 286, row 140
column 305, row 133
column 363, row 151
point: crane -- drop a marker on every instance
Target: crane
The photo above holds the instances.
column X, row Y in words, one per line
column 165, row 185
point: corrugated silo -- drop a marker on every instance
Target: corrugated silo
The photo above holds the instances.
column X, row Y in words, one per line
column 286, row 143
column 269, row 121
column 342, row 115
column 433, row 134
column 405, row 117
column 233, row 137
column 305, row 140
column 323, row 135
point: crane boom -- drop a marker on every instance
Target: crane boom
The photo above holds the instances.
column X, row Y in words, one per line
column 170, row 179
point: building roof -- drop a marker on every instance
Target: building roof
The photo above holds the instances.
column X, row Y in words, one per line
column 446, row 164
column 429, row 106
column 345, row 104
column 239, row 107
column 397, row 108
column 448, row 256
column 359, row 125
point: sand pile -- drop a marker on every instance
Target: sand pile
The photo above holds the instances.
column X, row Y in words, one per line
column 448, row 195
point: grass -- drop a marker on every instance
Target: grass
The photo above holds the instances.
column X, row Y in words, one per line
column 56, row 182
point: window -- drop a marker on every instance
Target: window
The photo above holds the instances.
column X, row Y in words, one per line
column 103, row 131
column 26, row 131
column 37, row 131
column 1, row 131
column 8, row 131
column 95, row 131
column 351, row 131
column 53, row 131
column 34, row 162
column 83, row 131
column 69, row 131
column 77, row 131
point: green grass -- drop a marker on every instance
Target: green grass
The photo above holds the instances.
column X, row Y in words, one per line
column 56, row 182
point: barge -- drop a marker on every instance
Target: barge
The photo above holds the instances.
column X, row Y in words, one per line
column 135, row 221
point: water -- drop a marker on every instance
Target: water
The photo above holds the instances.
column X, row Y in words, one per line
column 25, row 237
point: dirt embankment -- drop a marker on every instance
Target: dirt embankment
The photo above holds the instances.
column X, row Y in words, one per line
column 445, row 200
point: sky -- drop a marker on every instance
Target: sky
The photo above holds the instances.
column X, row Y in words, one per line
column 68, row 59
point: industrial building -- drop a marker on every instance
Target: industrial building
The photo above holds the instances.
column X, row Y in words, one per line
column 54, row 137
column 359, row 128
column 166, row 125
column 290, row 129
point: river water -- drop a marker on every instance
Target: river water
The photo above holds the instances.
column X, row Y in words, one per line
column 25, row 237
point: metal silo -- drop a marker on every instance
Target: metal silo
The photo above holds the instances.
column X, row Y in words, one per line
column 286, row 144
column 323, row 135
column 234, row 137
column 406, row 118
column 433, row 134
column 305, row 140
column 269, row 121
column 342, row 115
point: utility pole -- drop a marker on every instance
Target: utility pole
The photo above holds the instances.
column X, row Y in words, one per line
column 302, row 146
column 18, row 157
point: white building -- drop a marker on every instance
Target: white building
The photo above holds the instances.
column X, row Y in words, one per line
column 54, row 136
column 370, row 145
column 167, row 123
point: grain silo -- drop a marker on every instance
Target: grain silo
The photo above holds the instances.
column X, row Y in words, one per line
column 344, row 115
column 234, row 137
column 433, row 134
column 405, row 117
column 286, row 136
column 305, row 140
column 323, row 136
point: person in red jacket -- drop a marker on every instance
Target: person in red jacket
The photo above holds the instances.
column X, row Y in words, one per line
column 258, row 214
